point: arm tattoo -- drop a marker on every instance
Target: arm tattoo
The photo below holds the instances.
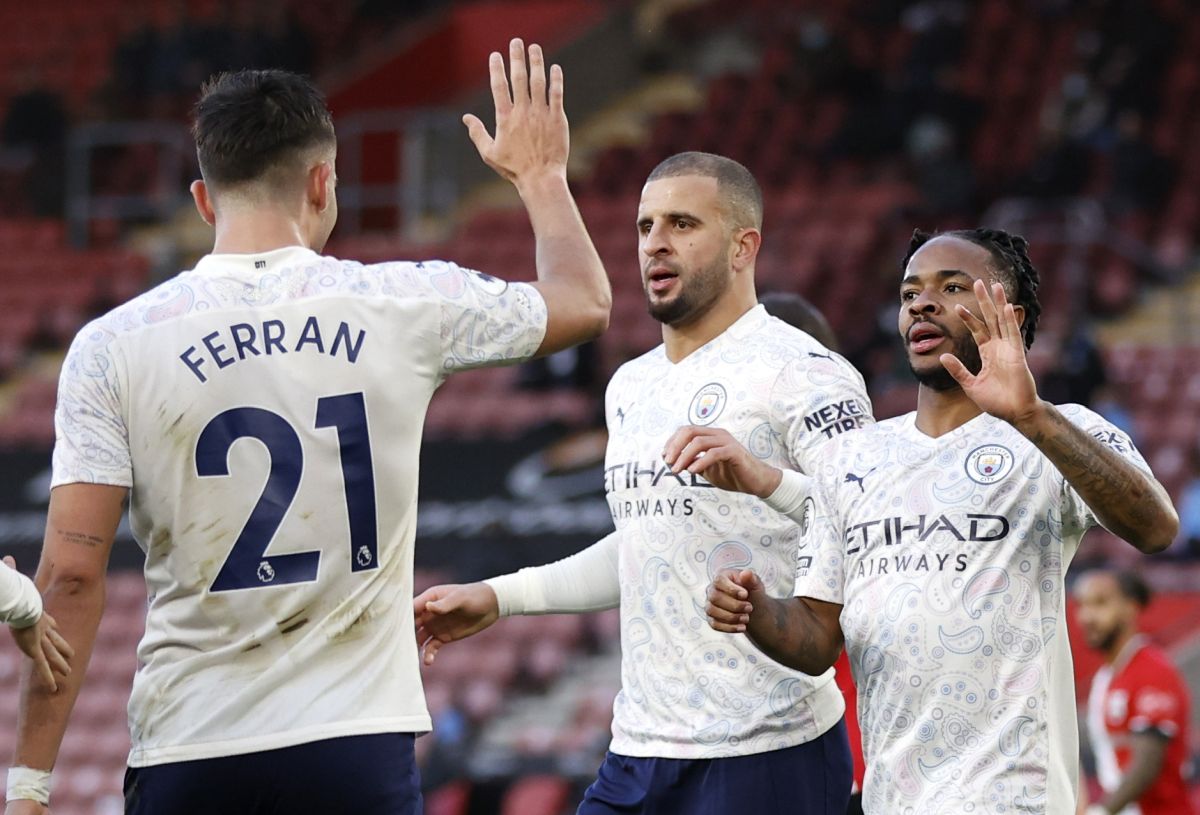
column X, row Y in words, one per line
column 81, row 538
column 1116, row 490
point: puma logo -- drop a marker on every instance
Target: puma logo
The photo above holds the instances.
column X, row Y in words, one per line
column 851, row 478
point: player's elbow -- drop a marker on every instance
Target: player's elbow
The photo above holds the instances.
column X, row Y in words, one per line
column 1156, row 537
column 597, row 313
column 73, row 582
column 819, row 661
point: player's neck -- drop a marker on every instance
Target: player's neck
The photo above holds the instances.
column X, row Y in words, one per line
column 939, row 412
column 681, row 341
column 248, row 234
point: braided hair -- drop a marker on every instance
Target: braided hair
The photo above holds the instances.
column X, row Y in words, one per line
column 1010, row 254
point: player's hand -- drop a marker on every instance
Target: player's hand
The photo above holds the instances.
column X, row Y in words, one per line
column 721, row 459
column 26, row 807
column 453, row 612
column 1004, row 386
column 731, row 598
column 532, row 138
column 42, row 643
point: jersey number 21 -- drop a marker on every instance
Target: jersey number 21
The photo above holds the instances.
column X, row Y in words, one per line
column 248, row 566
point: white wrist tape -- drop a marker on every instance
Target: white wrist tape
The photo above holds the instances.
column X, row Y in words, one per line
column 28, row 784
column 789, row 496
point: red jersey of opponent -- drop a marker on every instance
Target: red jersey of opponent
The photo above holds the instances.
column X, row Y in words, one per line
column 1142, row 692
column 846, row 682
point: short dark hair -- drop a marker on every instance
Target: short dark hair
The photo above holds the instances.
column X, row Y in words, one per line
column 1133, row 587
column 799, row 313
column 741, row 196
column 250, row 124
column 1010, row 256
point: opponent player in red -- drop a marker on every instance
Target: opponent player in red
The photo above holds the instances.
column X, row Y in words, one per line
column 1138, row 706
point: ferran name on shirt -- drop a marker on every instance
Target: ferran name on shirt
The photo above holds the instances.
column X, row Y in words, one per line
column 234, row 343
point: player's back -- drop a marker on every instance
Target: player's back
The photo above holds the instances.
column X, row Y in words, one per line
column 272, row 408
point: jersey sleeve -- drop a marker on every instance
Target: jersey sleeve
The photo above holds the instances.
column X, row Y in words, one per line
column 815, row 400
column 1076, row 513
column 820, row 555
column 1157, row 704
column 20, row 602
column 588, row 580
column 91, row 437
column 485, row 321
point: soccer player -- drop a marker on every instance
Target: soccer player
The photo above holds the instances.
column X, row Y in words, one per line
column 798, row 312
column 702, row 724
column 34, row 631
column 1138, row 708
column 264, row 412
column 936, row 543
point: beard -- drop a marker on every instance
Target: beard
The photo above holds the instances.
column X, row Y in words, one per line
column 1104, row 641
column 696, row 295
column 938, row 378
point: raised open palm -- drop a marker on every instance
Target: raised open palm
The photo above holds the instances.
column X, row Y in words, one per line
column 1004, row 386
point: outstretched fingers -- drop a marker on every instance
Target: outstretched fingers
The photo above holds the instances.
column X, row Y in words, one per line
column 518, row 72
column 556, row 90
column 957, row 370
column 501, row 96
column 537, row 75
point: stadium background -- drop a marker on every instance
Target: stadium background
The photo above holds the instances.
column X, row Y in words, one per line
column 1074, row 123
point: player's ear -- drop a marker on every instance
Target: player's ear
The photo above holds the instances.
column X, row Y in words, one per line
column 745, row 248
column 318, row 186
column 204, row 204
column 1019, row 312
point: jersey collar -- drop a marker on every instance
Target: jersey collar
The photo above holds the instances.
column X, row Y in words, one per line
column 256, row 262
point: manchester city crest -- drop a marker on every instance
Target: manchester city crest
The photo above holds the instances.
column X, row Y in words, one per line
column 989, row 464
column 707, row 404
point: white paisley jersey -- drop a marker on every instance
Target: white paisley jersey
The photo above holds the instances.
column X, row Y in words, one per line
column 267, row 411
column 948, row 555
column 688, row 691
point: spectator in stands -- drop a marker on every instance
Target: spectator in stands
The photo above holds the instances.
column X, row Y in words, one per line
column 132, row 61
column 1140, row 176
column 1061, row 166
column 285, row 42
column 1138, row 708
column 943, row 175
column 34, row 631
column 1078, row 370
column 33, row 137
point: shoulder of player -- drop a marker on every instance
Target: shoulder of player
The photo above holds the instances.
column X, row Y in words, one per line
column 788, row 343
column 413, row 279
column 870, row 435
column 641, row 365
column 849, row 445
column 1081, row 416
column 1151, row 662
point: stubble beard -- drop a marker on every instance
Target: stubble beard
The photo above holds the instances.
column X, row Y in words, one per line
column 695, row 297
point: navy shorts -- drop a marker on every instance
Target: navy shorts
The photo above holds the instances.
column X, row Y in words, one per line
column 809, row 779
column 363, row 775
